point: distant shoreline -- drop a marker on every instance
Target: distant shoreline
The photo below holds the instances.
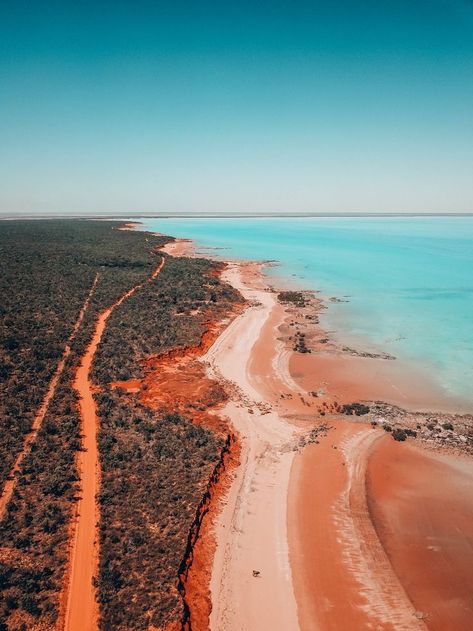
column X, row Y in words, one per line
column 230, row 215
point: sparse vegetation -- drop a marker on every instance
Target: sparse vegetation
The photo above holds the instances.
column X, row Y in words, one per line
column 399, row 434
column 154, row 472
column 300, row 343
column 33, row 535
column 357, row 409
column 47, row 269
column 171, row 312
column 296, row 298
column 155, row 466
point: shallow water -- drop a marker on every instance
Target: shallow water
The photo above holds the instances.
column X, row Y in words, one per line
column 408, row 282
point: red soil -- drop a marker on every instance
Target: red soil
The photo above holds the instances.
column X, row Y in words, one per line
column 39, row 418
column 176, row 381
column 422, row 508
column 82, row 609
column 342, row 576
column 132, row 385
column 346, row 378
column 197, row 584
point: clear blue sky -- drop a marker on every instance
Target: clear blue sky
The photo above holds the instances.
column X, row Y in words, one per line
column 236, row 106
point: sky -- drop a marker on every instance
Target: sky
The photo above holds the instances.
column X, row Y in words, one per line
column 261, row 106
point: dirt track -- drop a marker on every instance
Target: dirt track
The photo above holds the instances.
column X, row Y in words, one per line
column 82, row 611
column 251, row 529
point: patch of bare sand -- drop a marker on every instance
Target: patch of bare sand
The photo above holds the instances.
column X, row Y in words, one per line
column 344, row 378
column 251, row 584
column 343, row 577
column 422, row 508
column 179, row 247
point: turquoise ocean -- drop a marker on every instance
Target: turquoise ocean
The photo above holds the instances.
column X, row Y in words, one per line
column 406, row 283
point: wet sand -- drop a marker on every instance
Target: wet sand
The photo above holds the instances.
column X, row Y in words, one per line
column 342, row 571
column 346, row 378
column 343, row 577
column 422, row 508
column 347, row 530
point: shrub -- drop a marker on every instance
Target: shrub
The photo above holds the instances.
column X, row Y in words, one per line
column 399, row 434
column 357, row 409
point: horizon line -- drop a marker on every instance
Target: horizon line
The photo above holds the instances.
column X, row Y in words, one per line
column 219, row 215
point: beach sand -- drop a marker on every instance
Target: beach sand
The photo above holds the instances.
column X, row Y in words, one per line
column 251, row 583
column 422, row 509
column 329, row 523
column 348, row 378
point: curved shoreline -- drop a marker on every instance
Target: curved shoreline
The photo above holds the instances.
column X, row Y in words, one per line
column 330, row 565
column 251, row 586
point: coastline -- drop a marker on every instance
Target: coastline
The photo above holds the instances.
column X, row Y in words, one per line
column 304, row 466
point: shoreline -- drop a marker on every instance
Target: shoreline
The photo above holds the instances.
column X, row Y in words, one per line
column 356, row 373
column 272, row 391
column 346, row 359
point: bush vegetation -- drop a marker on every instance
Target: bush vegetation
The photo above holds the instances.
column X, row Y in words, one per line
column 155, row 470
column 47, row 270
column 297, row 298
column 357, row 409
column 170, row 312
column 34, row 533
column 155, row 466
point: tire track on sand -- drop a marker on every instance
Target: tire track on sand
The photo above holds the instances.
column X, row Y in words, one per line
column 82, row 609
column 386, row 602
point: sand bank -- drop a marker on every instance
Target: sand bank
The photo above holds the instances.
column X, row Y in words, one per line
column 251, row 583
column 343, row 577
column 344, row 378
column 422, row 509
column 342, row 574
column 328, row 522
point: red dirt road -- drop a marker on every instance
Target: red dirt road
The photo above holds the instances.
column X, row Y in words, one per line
column 82, row 609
